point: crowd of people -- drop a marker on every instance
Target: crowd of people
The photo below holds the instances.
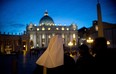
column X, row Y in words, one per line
column 100, row 60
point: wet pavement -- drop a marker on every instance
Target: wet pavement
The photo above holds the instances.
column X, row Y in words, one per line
column 18, row 64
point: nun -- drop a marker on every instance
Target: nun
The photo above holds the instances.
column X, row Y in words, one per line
column 53, row 60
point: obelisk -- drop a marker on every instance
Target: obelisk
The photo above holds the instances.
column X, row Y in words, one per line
column 99, row 16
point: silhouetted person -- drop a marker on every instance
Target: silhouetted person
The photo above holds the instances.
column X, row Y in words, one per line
column 85, row 61
column 69, row 63
column 54, row 59
column 104, row 57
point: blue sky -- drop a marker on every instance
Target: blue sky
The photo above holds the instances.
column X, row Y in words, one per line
column 16, row 14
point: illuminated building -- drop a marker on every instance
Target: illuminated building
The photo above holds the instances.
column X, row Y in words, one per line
column 109, row 32
column 39, row 36
column 99, row 29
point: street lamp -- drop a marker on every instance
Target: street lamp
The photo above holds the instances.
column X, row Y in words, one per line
column 108, row 42
column 90, row 40
column 70, row 44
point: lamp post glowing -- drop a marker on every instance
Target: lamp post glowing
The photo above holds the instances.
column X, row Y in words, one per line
column 108, row 42
column 90, row 40
column 70, row 44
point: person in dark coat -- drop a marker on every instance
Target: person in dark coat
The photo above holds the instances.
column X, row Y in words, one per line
column 104, row 57
column 85, row 61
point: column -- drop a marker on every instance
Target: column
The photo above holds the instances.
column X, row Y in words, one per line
column 40, row 40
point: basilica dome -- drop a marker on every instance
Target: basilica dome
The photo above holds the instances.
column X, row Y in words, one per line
column 46, row 20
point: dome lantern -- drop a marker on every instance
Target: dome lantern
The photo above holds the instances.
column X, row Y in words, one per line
column 46, row 13
column 46, row 20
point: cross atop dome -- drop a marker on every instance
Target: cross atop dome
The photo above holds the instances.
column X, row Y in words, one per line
column 46, row 13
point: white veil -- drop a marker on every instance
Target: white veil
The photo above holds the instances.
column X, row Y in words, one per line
column 54, row 54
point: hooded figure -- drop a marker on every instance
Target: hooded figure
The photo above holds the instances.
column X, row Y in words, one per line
column 54, row 54
column 54, row 60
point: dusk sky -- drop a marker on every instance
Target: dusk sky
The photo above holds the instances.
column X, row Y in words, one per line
column 16, row 14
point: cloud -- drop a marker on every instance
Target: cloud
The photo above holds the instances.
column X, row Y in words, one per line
column 17, row 27
column 12, row 27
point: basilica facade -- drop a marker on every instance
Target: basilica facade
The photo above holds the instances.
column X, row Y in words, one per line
column 38, row 36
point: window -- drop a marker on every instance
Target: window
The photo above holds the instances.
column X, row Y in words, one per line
column 73, row 35
column 53, row 34
column 37, row 29
column 62, row 28
column 62, row 35
column 49, row 28
column 37, row 44
column 31, row 37
column 57, row 28
column 43, row 28
column 43, row 36
column 96, row 28
column 67, row 29
column 49, row 36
